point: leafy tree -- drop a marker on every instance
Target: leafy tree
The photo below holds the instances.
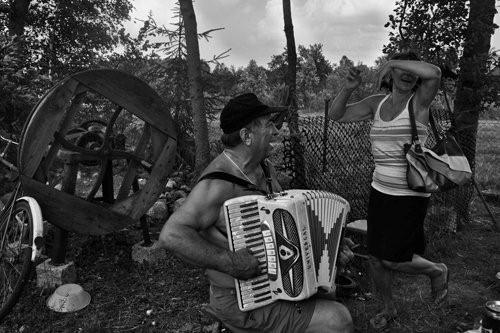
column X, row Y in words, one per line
column 307, row 83
column 223, row 80
column 278, row 67
column 21, row 85
column 336, row 79
column 254, row 79
column 322, row 67
column 435, row 28
column 66, row 36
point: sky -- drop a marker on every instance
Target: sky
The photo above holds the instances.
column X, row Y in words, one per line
column 253, row 29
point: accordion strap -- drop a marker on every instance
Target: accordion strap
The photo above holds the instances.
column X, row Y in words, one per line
column 242, row 182
column 232, row 179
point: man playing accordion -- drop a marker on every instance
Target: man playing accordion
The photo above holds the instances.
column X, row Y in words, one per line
column 197, row 230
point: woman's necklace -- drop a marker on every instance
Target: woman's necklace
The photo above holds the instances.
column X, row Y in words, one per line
column 236, row 165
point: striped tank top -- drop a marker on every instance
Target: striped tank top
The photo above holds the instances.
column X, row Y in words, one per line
column 387, row 143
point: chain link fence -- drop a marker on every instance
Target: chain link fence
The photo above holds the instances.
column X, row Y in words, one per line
column 337, row 158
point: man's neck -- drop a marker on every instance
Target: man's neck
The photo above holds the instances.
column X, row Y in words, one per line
column 244, row 158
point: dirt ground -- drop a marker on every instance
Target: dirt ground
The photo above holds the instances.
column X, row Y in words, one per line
column 128, row 297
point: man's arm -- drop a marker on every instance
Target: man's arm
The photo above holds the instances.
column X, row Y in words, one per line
column 200, row 211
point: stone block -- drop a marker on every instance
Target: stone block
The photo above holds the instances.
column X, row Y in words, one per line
column 49, row 276
column 151, row 254
column 159, row 210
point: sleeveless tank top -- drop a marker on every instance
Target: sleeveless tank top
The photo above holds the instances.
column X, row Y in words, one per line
column 387, row 144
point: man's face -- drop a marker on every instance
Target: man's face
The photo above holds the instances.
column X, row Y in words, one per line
column 264, row 133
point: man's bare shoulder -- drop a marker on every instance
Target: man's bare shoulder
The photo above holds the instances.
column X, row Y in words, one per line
column 208, row 196
column 202, row 206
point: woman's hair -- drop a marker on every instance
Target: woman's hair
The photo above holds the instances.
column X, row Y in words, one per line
column 408, row 55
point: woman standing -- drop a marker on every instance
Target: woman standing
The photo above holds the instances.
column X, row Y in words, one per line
column 396, row 214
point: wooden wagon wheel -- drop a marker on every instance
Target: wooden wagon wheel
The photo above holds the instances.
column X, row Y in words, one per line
column 43, row 138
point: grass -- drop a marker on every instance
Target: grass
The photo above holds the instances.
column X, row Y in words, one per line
column 123, row 291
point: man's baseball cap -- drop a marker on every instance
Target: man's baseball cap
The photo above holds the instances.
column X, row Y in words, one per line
column 242, row 109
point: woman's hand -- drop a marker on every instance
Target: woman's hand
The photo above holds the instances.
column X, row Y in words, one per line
column 353, row 79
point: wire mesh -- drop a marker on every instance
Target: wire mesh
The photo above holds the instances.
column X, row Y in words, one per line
column 337, row 158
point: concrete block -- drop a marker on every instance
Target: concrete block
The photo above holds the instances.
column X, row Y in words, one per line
column 151, row 254
column 50, row 276
column 358, row 226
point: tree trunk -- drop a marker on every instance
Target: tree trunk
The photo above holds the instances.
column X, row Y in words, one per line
column 298, row 180
column 195, row 86
column 17, row 16
column 471, row 90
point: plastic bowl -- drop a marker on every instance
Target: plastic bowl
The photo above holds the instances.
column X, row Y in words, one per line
column 68, row 298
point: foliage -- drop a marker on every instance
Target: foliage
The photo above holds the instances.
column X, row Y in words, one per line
column 158, row 56
column 66, row 36
column 434, row 28
column 21, row 85
column 313, row 70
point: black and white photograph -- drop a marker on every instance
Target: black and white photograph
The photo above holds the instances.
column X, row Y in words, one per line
column 232, row 166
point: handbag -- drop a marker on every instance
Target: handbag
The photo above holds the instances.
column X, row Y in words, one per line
column 438, row 169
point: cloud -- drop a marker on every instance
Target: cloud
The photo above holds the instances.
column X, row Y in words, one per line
column 253, row 29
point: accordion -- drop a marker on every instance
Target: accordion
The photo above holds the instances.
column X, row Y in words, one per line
column 295, row 235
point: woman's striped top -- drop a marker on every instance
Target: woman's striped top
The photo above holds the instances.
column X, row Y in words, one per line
column 387, row 143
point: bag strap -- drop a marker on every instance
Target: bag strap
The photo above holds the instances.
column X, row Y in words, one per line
column 434, row 126
column 414, row 134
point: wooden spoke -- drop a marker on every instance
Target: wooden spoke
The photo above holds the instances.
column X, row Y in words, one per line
column 44, row 139
column 128, row 179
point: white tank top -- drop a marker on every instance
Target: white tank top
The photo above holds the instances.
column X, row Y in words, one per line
column 387, row 143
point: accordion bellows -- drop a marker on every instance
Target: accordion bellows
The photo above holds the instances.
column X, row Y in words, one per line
column 295, row 235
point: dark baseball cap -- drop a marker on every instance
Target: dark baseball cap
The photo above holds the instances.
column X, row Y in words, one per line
column 242, row 109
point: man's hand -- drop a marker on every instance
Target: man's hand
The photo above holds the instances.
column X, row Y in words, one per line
column 244, row 265
column 353, row 79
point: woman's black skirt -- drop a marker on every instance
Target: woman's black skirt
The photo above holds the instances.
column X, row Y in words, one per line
column 396, row 226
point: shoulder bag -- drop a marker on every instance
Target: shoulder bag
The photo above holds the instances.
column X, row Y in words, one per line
column 438, row 169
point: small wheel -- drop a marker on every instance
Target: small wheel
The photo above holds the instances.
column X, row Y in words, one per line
column 16, row 237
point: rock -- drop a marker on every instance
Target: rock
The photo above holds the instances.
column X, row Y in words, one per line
column 186, row 188
column 180, row 194
column 212, row 328
column 171, row 184
column 159, row 210
column 178, row 203
column 141, row 181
